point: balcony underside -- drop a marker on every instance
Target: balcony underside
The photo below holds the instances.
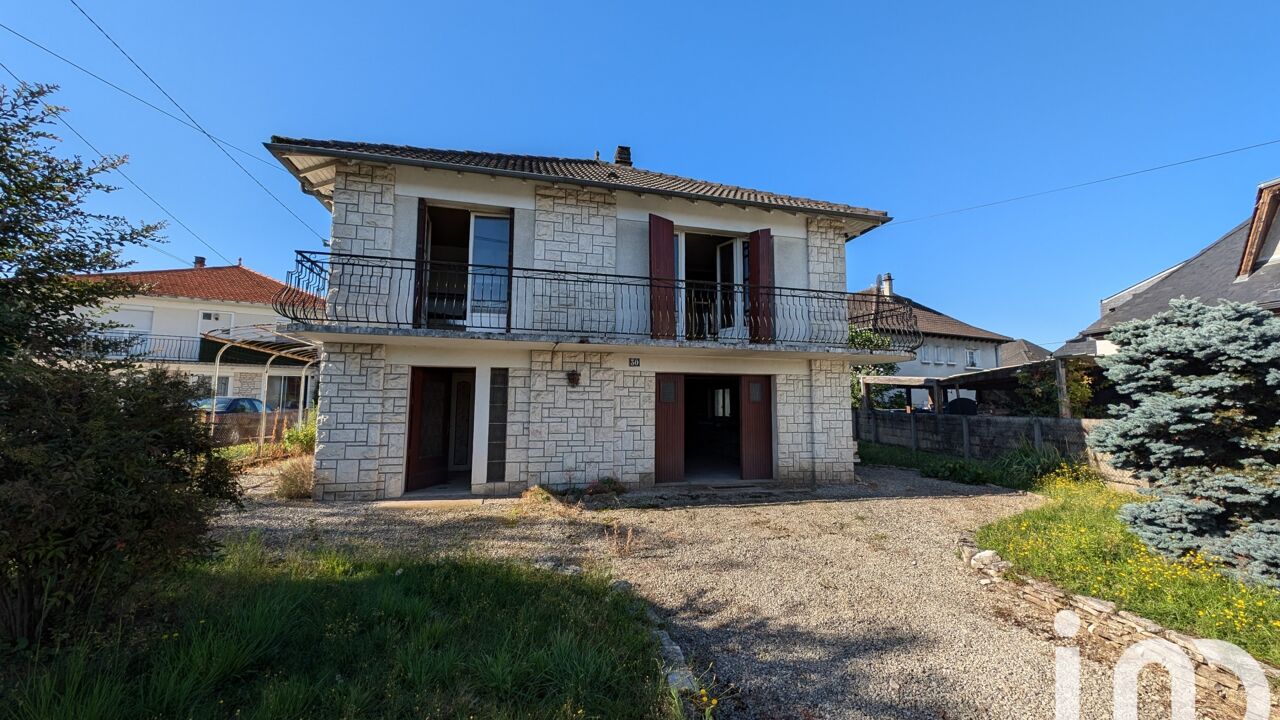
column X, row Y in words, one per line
column 338, row 332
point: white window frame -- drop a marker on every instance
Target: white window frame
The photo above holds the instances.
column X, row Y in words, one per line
column 471, row 256
column 951, row 355
column 973, row 358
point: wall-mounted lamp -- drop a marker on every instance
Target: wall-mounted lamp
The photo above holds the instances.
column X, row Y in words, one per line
column 574, row 376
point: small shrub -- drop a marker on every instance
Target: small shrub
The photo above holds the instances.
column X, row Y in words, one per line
column 1022, row 467
column 301, row 438
column 605, row 486
column 538, row 495
column 296, row 478
column 957, row 471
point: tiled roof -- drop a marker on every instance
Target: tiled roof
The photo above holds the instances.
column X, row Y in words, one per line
column 932, row 322
column 586, row 171
column 230, row 283
column 1021, row 352
column 1210, row 275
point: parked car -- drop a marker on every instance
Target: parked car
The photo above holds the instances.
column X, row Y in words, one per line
column 230, row 405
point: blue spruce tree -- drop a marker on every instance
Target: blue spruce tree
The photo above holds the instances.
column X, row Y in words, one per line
column 1201, row 422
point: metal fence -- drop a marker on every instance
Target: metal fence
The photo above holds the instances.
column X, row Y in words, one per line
column 326, row 288
column 146, row 346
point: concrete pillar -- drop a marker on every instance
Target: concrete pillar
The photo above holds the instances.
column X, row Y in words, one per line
column 480, row 429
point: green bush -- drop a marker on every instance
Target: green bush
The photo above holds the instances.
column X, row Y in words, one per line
column 1023, row 467
column 105, row 477
column 301, row 438
column 1201, row 420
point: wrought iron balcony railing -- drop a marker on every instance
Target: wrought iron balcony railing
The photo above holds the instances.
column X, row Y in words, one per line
column 359, row 290
column 146, row 346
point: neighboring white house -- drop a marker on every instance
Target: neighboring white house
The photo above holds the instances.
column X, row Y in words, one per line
column 948, row 347
column 501, row 321
column 167, row 320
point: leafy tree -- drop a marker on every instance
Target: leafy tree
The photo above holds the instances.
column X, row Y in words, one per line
column 1201, row 421
column 882, row 396
column 106, row 473
column 1037, row 390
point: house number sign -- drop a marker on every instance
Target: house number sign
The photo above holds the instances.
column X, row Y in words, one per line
column 633, row 362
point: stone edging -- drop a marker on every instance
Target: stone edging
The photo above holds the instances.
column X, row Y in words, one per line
column 1115, row 630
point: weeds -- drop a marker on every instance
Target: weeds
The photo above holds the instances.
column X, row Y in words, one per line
column 620, row 543
column 295, row 478
column 339, row 634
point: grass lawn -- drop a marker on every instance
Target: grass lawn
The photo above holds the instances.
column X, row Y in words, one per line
column 1077, row 542
column 356, row 634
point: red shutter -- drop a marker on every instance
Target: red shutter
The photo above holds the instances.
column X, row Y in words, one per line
column 755, row 395
column 669, row 428
column 662, row 277
column 760, row 290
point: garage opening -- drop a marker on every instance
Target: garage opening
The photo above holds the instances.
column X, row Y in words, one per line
column 713, row 427
column 438, row 447
column 712, row 414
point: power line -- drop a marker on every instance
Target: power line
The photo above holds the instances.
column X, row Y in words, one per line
column 1076, row 186
column 142, row 100
column 198, row 126
column 131, row 181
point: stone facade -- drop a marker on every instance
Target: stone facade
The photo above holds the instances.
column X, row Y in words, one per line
column 246, row 384
column 564, row 433
column 575, row 230
column 363, row 422
column 825, row 240
column 815, row 424
column 636, row 396
column 363, row 222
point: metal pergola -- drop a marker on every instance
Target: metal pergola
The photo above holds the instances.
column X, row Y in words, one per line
column 265, row 339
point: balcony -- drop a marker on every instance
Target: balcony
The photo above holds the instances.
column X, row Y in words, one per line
column 160, row 348
column 435, row 298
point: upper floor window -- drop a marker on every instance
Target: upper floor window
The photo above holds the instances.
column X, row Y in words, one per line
column 926, row 354
column 971, row 358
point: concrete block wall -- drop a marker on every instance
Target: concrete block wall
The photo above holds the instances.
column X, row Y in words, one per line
column 985, row 437
column 362, row 423
column 794, row 423
column 246, row 384
column 825, row 239
column 636, row 404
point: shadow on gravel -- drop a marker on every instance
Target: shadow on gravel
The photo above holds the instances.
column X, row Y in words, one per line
column 786, row 672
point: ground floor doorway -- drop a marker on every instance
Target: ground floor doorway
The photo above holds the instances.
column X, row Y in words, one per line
column 441, row 412
column 713, row 427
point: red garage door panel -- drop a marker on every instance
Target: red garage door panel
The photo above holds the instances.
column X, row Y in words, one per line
column 756, row 395
column 669, row 418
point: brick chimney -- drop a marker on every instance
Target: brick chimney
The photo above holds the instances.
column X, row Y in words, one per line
column 622, row 156
column 886, row 284
column 199, row 261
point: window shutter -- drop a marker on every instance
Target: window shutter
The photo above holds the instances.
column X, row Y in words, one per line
column 761, row 286
column 662, row 277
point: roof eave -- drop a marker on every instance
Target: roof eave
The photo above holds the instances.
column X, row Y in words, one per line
column 280, row 150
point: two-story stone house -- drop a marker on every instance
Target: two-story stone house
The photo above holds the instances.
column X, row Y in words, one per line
column 501, row 321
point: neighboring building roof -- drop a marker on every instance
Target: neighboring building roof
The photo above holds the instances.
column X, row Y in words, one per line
column 932, row 322
column 590, row 172
column 230, row 283
column 1021, row 352
column 1210, row 275
column 1235, row 268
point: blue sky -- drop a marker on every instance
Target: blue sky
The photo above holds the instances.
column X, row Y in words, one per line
column 912, row 108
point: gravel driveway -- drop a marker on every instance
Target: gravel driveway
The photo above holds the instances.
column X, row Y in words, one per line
column 847, row 602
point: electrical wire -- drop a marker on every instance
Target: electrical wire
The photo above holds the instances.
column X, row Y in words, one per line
column 197, row 124
column 142, row 100
column 132, row 182
column 1077, row 186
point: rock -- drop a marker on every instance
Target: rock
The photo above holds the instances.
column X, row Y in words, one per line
column 621, row 585
column 1094, row 605
column 984, row 559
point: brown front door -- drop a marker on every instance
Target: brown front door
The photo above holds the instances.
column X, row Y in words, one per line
column 669, row 420
column 429, row 416
column 756, row 439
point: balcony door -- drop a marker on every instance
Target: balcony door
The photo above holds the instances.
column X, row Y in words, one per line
column 731, row 276
column 463, row 276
